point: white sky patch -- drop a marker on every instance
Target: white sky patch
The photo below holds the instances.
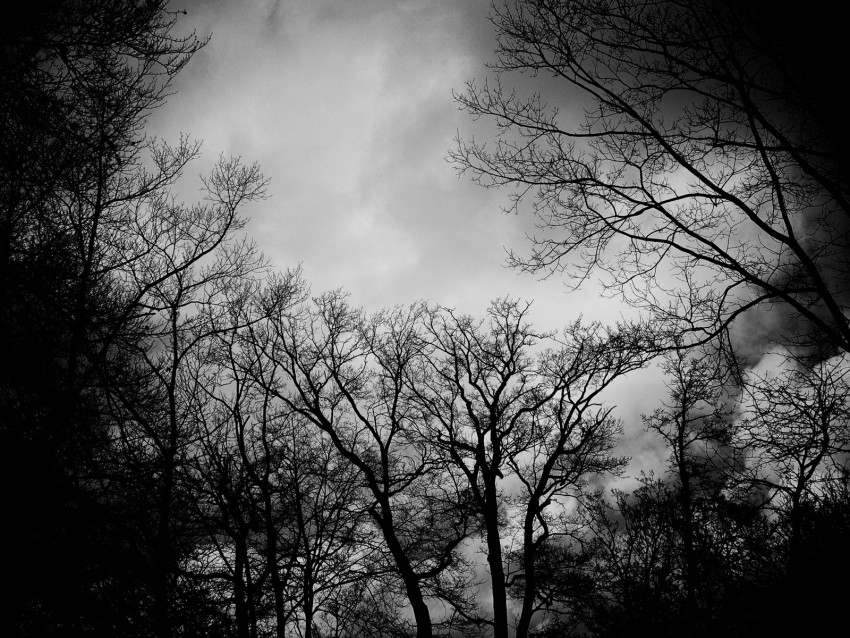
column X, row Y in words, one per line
column 348, row 108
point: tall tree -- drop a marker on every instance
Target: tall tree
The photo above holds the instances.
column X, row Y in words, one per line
column 290, row 508
column 349, row 376
column 194, row 268
column 695, row 423
column 77, row 80
column 794, row 436
column 507, row 404
column 705, row 175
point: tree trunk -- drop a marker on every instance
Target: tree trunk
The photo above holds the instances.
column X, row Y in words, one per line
column 686, row 504
column 529, row 551
column 161, row 589
column 272, row 564
column 421, row 613
column 239, row 590
column 494, row 558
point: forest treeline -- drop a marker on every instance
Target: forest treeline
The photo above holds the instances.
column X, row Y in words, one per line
column 196, row 444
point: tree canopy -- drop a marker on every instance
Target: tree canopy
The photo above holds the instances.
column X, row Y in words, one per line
column 708, row 174
column 197, row 445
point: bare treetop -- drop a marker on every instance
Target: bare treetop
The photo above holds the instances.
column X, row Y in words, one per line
column 704, row 178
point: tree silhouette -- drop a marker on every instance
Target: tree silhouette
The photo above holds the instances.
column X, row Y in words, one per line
column 707, row 175
column 196, row 447
column 695, row 424
column 508, row 404
column 348, row 375
column 77, row 80
column 794, row 436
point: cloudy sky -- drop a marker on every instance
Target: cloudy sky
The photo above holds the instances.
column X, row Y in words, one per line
column 348, row 108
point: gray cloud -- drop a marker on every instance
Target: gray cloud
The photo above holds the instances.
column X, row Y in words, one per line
column 348, row 108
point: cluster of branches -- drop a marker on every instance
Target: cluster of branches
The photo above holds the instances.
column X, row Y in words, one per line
column 458, row 430
column 702, row 175
column 197, row 447
column 201, row 450
column 708, row 175
column 154, row 490
column 751, row 516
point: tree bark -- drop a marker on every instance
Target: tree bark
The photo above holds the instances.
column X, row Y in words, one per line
column 529, row 571
column 421, row 613
column 494, row 558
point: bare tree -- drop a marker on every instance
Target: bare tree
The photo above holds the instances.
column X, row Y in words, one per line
column 509, row 405
column 625, row 567
column 348, row 375
column 77, row 80
column 629, row 552
column 283, row 513
column 188, row 265
column 795, row 438
column 695, row 423
column 707, row 174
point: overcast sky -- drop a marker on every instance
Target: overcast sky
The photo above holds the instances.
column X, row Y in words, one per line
column 347, row 106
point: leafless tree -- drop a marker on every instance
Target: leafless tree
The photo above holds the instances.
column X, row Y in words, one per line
column 77, row 179
column 631, row 551
column 700, row 171
column 795, row 438
column 348, row 375
column 695, row 423
column 519, row 414
column 188, row 267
